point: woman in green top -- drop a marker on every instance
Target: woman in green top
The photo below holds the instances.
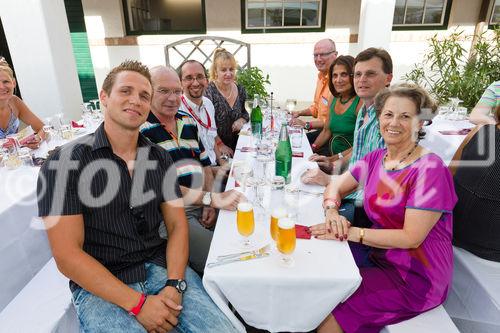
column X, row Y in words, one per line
column 337, row 135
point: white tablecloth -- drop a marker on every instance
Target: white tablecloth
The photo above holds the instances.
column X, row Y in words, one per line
column 268, row 295
column 24, row 247
column 444, row 145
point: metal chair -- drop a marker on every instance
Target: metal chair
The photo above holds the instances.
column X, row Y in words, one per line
column 202, row 48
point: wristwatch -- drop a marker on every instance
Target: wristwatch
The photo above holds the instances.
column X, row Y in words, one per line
column 207, row 199
column 340, row 156
column 180, row 285
column 307, row 126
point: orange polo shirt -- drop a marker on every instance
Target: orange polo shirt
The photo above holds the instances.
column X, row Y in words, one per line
column 322, row 98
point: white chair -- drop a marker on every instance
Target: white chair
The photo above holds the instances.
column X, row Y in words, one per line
column 435, row 320
column 474, row 300
column 43, row 305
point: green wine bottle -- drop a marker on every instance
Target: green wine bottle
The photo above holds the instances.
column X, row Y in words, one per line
column 256, row 118
column 283, row 155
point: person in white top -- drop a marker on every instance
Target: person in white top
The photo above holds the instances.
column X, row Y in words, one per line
column 194, row 82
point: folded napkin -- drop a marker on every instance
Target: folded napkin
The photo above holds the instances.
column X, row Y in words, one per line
column 301, row 231
column 74, row 124
column 463, row 131
column 247, row 149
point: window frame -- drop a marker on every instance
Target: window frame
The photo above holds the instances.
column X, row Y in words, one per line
column 320, row 28
column 128, row 32
column 490, row 17
column 428, row 26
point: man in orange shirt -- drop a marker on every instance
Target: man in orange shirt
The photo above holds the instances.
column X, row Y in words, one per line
column 325, row 53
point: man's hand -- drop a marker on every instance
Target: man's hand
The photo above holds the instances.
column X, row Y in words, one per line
column 173, row 297
column 324, row 162
column 208, row 217
column 228, row 200
column 295, row 114
column 159, row 313
column 297, row 122
column 315, row 176
column 223, row 149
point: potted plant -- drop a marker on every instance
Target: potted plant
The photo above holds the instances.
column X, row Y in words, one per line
column 253, row 80
column 448, row 70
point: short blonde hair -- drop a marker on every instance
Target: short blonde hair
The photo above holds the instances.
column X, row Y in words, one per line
column 221, row 55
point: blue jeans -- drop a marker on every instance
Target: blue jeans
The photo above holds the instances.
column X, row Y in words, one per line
column 199, row 312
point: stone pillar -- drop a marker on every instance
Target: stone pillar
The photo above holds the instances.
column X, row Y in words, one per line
column 375, row 23
column 39, row 42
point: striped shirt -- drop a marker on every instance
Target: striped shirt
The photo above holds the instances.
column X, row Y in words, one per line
column 367, row 138
column 491, row 96
column 186, row 150
column 121, row 214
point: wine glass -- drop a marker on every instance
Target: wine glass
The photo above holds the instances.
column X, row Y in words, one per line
column 249, row 105
column 245, row 222
column 286, row 240
column 291, row 104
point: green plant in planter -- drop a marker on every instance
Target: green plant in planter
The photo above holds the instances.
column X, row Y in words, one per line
column 448, row 71
column 253, row 80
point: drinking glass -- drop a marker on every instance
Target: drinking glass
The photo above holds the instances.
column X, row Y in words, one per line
column 295, row 133
column 461, row 113
column 25, row 157
column 87, row 114
column 242, row 171
column 276, row 214
column 286, row 240
column 292, row 195
column 66, row 132
column 290, row 104
column 245, row 222
column 11, row 152
column 249, row 105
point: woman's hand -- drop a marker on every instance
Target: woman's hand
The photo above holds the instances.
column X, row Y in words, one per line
column 335, row 227
column 238, row 124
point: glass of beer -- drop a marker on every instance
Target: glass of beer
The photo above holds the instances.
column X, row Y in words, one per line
column 245, row 221
column 276, row 214
column 286, row 240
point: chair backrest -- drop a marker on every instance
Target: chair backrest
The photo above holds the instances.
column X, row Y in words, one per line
column 202, row 48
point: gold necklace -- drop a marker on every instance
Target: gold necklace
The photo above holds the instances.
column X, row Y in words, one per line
column 222, row 92
column 401, row 160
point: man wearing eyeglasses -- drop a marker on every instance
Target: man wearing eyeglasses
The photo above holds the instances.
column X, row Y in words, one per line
column 325, row 52
column 102, row 198
column 372, row 73
column 194, row 83
column 176, row 131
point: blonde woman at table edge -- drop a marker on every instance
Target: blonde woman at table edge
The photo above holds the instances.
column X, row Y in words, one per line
column 13, row 109
column 406, row 257
column 228, row 97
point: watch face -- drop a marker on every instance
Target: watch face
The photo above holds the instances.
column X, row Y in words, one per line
column 182, row 285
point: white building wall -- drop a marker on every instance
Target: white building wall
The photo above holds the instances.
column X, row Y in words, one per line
column 287, row 57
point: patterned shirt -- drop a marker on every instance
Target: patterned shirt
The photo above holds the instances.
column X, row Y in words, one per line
column 491, row 96
column 121, row 213
column 322, row 98
column 367, row 138
column 225, row 115
column 186, row 150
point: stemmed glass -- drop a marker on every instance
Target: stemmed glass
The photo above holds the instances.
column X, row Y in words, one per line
column 249, row 105
column 245, row 222
column 286, row 240
column 454, row 103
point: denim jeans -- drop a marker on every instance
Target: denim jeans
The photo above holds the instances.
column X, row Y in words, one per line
column 199, row 312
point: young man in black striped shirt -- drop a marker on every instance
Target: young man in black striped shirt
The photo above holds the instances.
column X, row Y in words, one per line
column 102, row 198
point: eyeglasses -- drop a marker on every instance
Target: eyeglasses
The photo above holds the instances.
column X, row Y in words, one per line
column 322, row 55
column 142, row 225
column 190, row 79
column 168, row 92
column 367, row 74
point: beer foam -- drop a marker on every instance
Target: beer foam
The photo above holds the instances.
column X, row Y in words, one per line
column 245, row 206
column 286, row 223
column 279, row 212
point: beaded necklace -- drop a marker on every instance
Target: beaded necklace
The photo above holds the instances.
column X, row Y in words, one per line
column 401, row 160
column 346, row 101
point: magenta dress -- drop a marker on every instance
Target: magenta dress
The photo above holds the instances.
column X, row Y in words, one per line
column 399, row 284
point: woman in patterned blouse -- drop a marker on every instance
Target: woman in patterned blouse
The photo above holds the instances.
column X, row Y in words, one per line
column 227, row 96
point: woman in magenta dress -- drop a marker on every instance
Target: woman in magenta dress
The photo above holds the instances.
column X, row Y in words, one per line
column 406, row 257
